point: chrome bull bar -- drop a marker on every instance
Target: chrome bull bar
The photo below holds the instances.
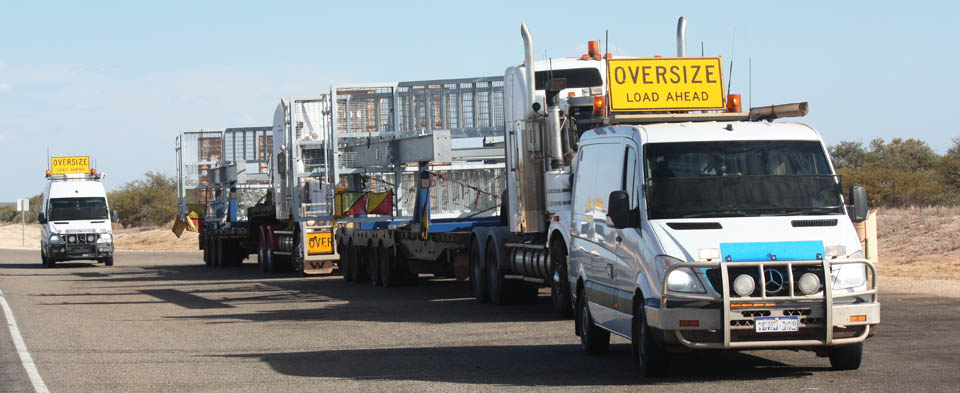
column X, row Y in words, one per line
column 826, row 295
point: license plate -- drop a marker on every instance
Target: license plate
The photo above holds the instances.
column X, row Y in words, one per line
column 776, row 324
column 320, row 243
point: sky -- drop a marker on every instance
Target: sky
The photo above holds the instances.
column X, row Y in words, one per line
column 118, row 80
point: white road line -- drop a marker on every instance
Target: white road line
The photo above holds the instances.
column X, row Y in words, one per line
column 25, row 357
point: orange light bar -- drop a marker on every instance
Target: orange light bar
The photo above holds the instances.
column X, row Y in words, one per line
column 858, row 318
column 733, row 103
column 689, row 323
column 599, row 105
column 48, row 173
column 572, row 94
column 737, row 305
column 593, row 48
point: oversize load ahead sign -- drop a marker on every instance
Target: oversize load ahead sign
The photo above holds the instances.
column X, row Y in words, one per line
column 64, row 165
column 662, row 84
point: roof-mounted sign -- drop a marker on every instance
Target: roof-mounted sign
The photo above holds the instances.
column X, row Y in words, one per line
column 72, row 164
column 665, row 84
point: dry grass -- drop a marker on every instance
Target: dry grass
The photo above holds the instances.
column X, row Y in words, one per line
column 922, row 242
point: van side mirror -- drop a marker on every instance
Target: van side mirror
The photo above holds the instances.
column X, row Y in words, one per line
column 619, row 214
column 41, row 219
column 859, row 196
column 115, row 217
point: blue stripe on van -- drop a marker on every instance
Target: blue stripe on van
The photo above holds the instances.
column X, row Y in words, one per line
column 765, row 251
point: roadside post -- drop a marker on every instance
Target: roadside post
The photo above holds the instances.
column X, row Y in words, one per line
column 23, row 205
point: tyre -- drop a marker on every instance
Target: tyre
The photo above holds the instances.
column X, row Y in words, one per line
column 846, row 357
column 218, row 261
column 478, row 278
column 272, row 262
column 593, row 339
column 357, row 268
column 495, row 281
column 108, row 261
column 650, row 358
column 206, row 255
column 559, row 284
column 346, row 255
column 373, row 264
column 386, row 270
column 213, row 251
column 262, row 251
column 47, row 262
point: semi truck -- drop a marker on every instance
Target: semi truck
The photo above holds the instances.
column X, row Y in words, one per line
column 75, row 220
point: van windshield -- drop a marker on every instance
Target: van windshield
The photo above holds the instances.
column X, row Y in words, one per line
column 739, row 179
column 65, row 209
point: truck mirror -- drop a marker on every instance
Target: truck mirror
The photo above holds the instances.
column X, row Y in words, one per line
column 41, row 219
column 859, row 196
column 619, row 214
column 115, row 217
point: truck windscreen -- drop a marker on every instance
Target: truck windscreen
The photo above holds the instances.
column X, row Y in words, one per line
column 65, row 209
column 739, row 179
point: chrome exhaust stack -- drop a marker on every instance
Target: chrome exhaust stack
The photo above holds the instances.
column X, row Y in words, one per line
column 528, row 65
column 682, row 37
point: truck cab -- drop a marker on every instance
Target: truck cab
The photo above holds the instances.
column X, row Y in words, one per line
column 75, row 220
column 717, row 235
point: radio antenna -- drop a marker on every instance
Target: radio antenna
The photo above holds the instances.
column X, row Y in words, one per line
column 750, row 82
column 701, row 49
column 733, row 42
column 606, row 42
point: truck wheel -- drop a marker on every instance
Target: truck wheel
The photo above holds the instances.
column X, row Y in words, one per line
column 495, row 281
column 261, row 252
column 108, row 261
column 357, row 268
column 386, row 270
column 846, row 357
column 650, row 358
column 213, row 251
column 373, row 264
column 272, row 262
column 346, row 254
column 559, row 284
column 218, row 262
column 593, row 339
column 478, row 278
column 206, row 255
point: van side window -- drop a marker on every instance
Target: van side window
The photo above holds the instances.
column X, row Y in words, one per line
column 629, row 180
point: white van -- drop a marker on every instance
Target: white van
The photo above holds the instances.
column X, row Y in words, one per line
column 717, row 235
column 75, row 220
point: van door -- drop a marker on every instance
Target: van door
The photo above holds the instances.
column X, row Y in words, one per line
column 594, row 243
column 629, row 243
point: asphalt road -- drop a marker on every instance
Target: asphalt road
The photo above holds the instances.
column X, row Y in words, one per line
column 165, row 322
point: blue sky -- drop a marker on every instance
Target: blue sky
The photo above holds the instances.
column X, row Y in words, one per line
column 117, row 80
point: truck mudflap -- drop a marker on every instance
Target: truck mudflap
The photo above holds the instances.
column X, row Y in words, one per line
column 825, row 318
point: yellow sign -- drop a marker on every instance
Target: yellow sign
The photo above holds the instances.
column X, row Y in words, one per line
column 74, row 164
column 319, row 243
column 665, row 84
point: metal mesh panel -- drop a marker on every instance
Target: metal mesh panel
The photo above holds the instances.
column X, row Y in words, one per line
column 363, row 110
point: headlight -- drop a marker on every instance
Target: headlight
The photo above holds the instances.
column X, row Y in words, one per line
column 848, row 276
column 55, row 238
column 684, row 280
column 809, row 284
column 744, row 285
column 105, row 238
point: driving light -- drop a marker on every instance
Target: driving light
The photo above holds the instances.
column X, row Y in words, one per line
column 684, row 280
column 744, row 285
column 848, row 276
column 809, row 283
column 91, row 238
column 72, row 239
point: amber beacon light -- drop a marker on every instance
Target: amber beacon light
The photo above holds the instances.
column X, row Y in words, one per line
column 733, row 103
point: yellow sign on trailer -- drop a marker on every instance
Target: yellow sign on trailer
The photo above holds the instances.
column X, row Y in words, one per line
column 72, row 164
column 665, row 84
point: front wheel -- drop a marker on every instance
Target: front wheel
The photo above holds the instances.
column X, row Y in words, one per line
column 846, row 357
column 593, row 339
column 650, row 358
column 559, row 285
column 108, row 261
column 477, row 277
column 495, row 281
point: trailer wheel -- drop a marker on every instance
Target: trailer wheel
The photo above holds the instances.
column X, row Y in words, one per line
column 206, row 254
column 220, row 257
column 346, row 253
column 386, row 268
column 261, row 251
column 846, row 357
column 559, row 284
column 357, row 268
column 593, row 339
column 272, row 263
column 495, row 281
column 650, row 358
column 373, row 264
column 478, row 278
